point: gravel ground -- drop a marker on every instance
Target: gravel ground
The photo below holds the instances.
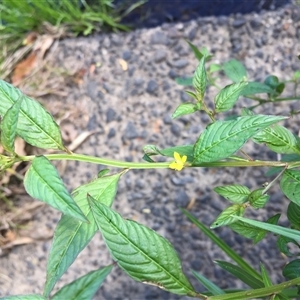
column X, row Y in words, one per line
column 132, row 108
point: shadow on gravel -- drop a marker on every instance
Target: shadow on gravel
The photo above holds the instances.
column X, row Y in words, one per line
column 155, row 12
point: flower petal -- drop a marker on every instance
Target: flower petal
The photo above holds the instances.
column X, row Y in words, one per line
column 183, row 159
column 177, row 156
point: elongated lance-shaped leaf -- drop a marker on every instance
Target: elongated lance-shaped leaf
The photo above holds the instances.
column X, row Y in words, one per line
column 279, row 139
column 234, row 193
column 9, row 126
column 24, row 297
column 234, row 70
column 199, row 79
column 241, row 274
column 141, row 252
column 35, row 125
column 85, row 287
column 210, row 286
column 222, row 245
column 265, row 276
column 290, row 185
column 228, row 96
column 290, row 233
column 223, row 138
column 71, row 236
column 43, row 182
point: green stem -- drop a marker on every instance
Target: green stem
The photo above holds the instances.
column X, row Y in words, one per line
column 257, row 293
column 160, row 165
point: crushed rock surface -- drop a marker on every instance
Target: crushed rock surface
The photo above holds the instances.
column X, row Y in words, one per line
column 132, row 108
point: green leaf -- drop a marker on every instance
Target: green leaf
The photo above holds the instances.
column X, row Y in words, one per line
column 222, row 245
column 252, row 232
column 273, row 82
column 85, row 287
column 226, row 216
column 210, row 286
column 214, row 68
column 9, row 126
column 291, row 233
column 199, row 79
column 278, row 138
column 35, row 125
column 296, row 75
column 255, row 88
column 43, row 182
column 234, row 70
column 282, row 244
column 292, row 269
column 257, row 199
column 265, row 276
column 140, row 252
column 193, row 95
column 184, row 109
column 241, row 274
column 169, row 152
column 71, row 236
column 290, row 185
column 223, row 138
column 293, row 214
column 196, row 51
column 24, row 297
column 234, row 193
column 185, row 81
column 228, row 96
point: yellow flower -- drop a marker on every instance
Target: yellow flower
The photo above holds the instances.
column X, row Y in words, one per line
column 179, row 162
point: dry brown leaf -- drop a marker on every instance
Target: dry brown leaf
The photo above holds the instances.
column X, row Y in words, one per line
column 18, row 242
column 43, row 43
column 156, row 126
column 30, row 38
column 81, row 138
column 24, row 68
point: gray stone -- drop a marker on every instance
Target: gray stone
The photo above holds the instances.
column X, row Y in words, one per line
column 130, row 131
column 92, row 89
column 184, row 97
column 159, row 38
column 152, row 87
column 176, row 129
column 256, row 24
column 180, row 64
column 111, row 133
column 110, row 115
column 173, row 74
column 159, row 55
column 192, row 33
column 238, row 23
column 181, row 199
column 126, row 55
column 167, row 119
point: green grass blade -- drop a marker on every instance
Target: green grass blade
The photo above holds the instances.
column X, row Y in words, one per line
column 222, row 245
column 287, row 232
column 24, row 297
column 210, row 286
column 85, row 287
column 241, row 274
